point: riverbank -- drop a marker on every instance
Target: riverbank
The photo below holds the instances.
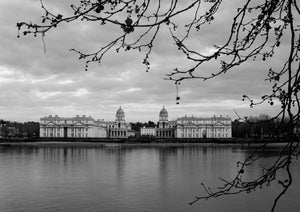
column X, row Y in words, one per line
column 147, row 140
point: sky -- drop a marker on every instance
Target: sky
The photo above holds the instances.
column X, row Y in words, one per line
column 34, row 84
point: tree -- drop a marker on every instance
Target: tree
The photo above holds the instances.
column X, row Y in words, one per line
column 257, row 31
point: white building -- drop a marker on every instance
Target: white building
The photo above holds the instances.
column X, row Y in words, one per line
column 84, row 127
column 165, row 127
column 118, row 128
column 148, row 131
column 76, row 127
column 87, row 127
column 196, row 127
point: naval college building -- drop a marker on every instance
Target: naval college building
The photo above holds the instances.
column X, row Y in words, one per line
column 88, row 127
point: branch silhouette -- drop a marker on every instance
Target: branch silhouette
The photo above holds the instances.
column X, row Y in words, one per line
column 257, row 31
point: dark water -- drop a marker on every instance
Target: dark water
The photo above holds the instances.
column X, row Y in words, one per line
column 131, row 179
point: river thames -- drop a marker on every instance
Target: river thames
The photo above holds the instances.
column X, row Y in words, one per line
column 133, row 178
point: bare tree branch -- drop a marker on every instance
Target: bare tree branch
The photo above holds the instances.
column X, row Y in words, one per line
column 257, row 31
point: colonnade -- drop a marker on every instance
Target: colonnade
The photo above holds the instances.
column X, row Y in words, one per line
column 165, row 133
column 202, row 132
column 75, row 132
column 117, row 133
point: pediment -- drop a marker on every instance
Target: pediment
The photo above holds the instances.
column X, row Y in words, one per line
column 78, row 124
column 51, row 124
column 219, row 124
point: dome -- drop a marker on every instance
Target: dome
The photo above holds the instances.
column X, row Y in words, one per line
column 120, row 115
column 163, row 112
column 163, row 115
column 120, row 111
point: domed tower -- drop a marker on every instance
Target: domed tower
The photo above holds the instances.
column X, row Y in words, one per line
column 120, row 115
column 163, row 118
column 163, row 115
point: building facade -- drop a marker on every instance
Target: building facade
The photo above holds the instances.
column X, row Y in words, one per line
column 75, row 127
column 196, row 127
column 148, row 131
column 118, row 128
column 84, row 127
column 166, row 128
column 87, row 127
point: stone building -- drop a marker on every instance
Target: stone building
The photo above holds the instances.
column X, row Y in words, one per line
column 75, row 127
column 165, row 127
column 84, row 127
column 118, row 128
column 87, row 127
column 148, row 131
column 197, row 127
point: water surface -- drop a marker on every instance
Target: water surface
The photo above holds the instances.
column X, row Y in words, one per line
column 131, row 178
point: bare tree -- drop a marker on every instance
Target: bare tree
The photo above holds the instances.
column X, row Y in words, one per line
column 256, row 32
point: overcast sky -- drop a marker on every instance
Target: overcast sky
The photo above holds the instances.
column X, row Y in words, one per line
column 34, row 84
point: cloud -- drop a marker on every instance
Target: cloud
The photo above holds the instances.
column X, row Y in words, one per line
column 34, row 84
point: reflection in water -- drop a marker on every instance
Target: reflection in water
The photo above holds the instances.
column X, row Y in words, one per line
column 129, row 178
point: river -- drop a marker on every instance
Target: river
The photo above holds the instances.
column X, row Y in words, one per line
column 133, row 178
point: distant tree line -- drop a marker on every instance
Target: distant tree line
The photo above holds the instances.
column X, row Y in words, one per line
column 138, row 125
column 262, row 126
column 10, row 129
